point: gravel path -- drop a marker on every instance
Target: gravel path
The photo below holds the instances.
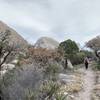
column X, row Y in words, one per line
column 88, row 85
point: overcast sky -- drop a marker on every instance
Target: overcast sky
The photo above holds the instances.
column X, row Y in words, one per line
column 78, row 20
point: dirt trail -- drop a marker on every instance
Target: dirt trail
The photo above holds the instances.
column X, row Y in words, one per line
column 88, row 85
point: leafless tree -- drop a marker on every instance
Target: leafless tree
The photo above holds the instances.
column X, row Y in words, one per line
column 5, row 47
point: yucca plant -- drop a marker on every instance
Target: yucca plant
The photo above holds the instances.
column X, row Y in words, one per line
column 50, row 89
column 30, row 95
column 61, row 97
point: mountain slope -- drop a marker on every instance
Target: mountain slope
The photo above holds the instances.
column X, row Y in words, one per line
column 14, row 37
column 46, row 42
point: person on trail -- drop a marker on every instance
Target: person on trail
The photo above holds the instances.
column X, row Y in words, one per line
column 86, row 62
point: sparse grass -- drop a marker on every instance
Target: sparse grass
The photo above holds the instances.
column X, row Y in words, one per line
column 73, row 87
column 95, row 95
column 96, row 91
column 98, row 65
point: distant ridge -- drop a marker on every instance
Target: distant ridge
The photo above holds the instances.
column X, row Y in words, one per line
column 46, row 42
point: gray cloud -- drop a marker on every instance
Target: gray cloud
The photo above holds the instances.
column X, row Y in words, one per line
column 60, row 19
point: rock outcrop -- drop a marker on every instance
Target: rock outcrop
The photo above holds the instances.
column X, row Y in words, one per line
column 47, row 43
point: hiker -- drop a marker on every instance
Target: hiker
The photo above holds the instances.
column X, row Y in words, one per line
column 86, row 62
column 66, row 63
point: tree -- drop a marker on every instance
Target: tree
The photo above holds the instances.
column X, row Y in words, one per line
column 69, row 47
column 94, row 44
column 5, row 47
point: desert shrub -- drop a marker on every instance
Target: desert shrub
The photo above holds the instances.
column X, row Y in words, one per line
column 16, row 82
column 90, row 54
column 98, row 65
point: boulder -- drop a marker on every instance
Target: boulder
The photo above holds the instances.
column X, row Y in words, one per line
column 2, row 73
column 69, row 64
column 46, row 43
column 14, row 61
column 66, row 79
column 8, row 66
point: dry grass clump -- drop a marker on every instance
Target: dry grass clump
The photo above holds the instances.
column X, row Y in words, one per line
column 96, row 95
column 73, row 87
column 40, row 52
column 96, row 91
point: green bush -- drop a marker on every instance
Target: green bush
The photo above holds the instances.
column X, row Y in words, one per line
column 98, row 65
column 88, row 53
column 77, row 58
column 51, row 71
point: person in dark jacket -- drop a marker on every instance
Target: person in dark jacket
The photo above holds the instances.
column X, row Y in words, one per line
column 86, row 62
